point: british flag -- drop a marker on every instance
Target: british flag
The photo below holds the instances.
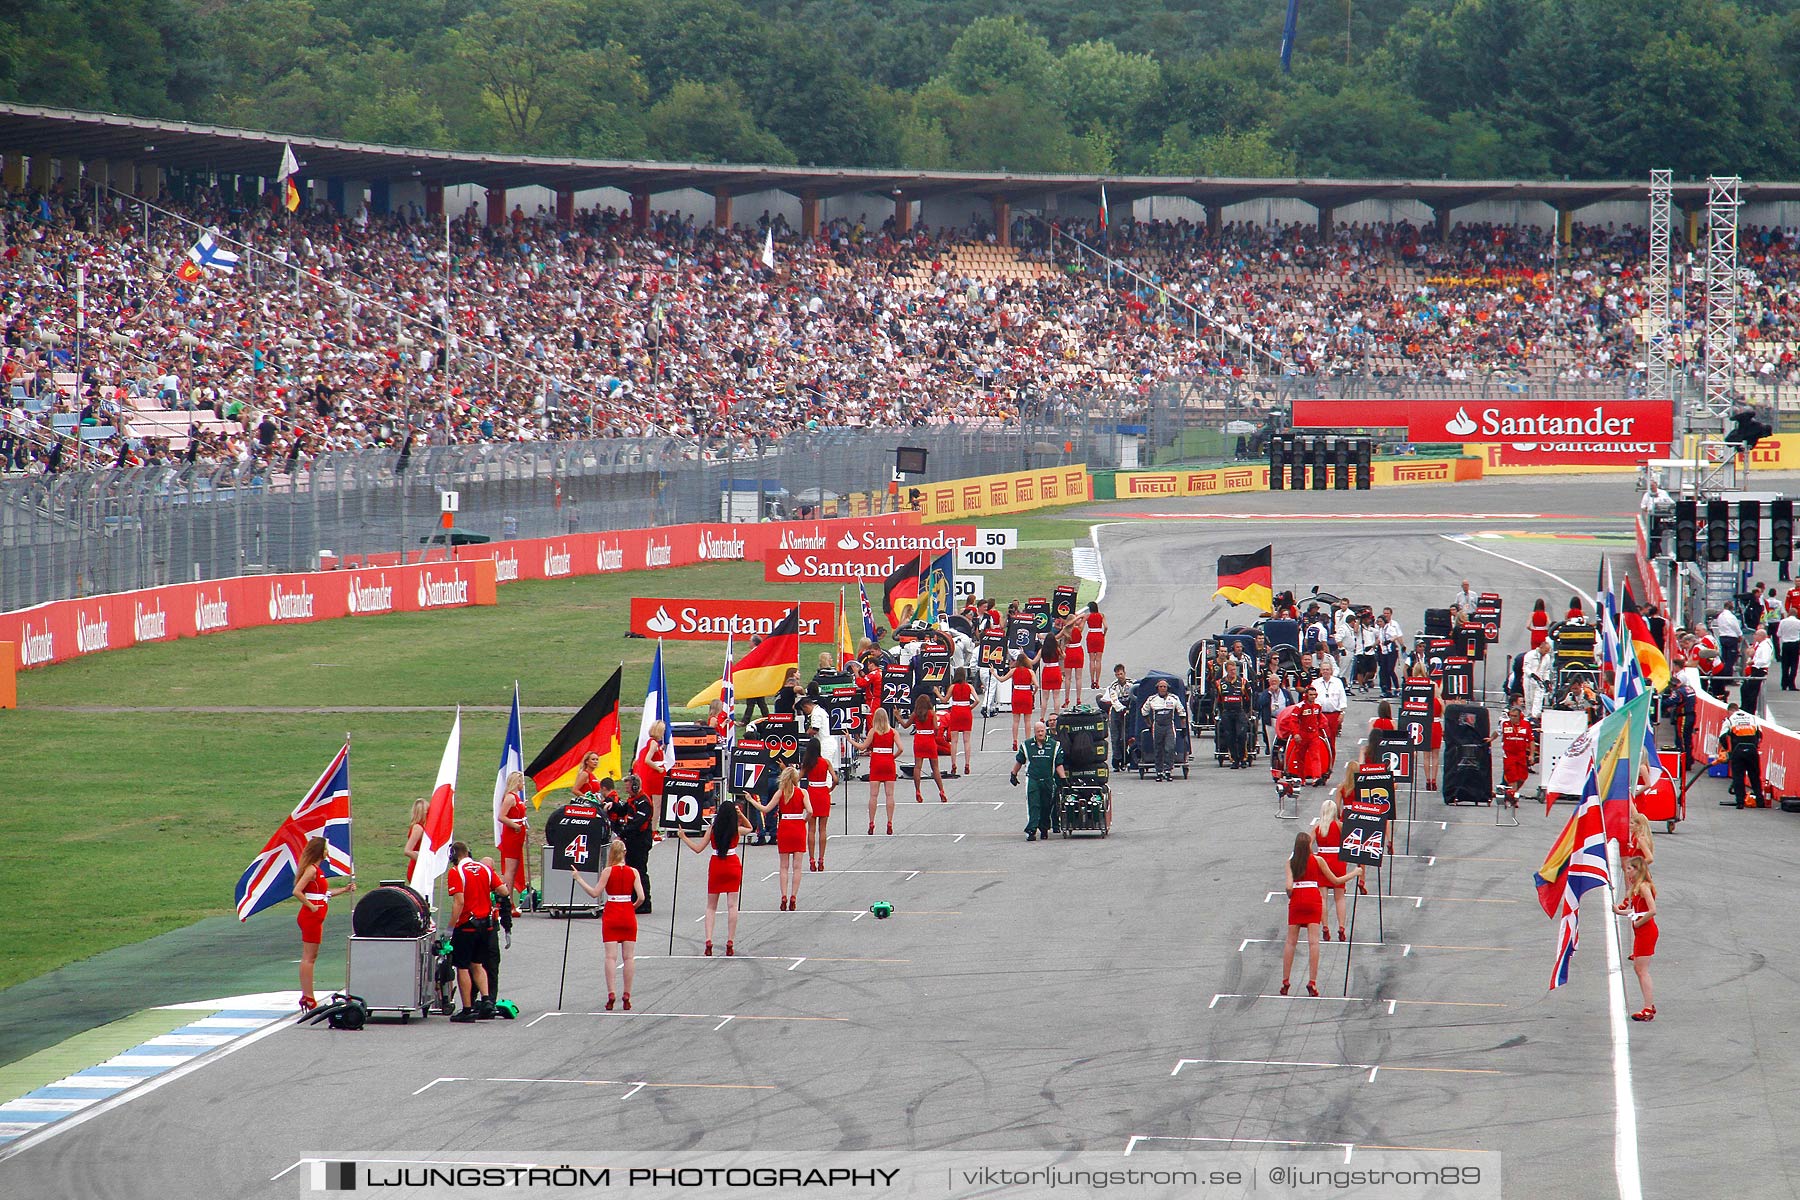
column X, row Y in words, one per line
column 728, row 697
column 324, row 812
column 868, row 613
column 1586, row 871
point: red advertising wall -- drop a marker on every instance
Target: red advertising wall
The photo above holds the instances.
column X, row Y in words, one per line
column 65, row 629
column 1780, row 747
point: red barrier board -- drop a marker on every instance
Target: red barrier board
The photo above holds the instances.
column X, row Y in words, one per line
column 1520, row 421
column 1780, row 747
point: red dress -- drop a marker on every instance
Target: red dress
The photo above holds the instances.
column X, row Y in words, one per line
column 1096, row 633
column 512, row 841
column 618, row 919
column 881, row 757
column 649, row 774
column 1022, row 681
column 1073, row 656
column 790, row 830
column 1643, row 937
column 818, row 786
column 962, row 708
column 725, row 872
column 1437, row 722
column 312, row 921
column 925, row 745
column 1306, row 903
column 1329, row 839
column 1540, row 628
column 1052, row 673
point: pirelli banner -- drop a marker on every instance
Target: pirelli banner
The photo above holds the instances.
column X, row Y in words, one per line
column 1221, row 481
column 1019, row 491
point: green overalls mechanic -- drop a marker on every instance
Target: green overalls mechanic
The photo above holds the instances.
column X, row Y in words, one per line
column 1042, row 759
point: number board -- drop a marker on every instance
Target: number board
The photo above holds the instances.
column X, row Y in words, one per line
column 577, row 834
column 846, row 713
column 688, row 801
column 993, row 650
column 1037, row 604
column 932, row 669
column 1437, row 649
column 1366, row 818
column 1415, row 712
column 1488, row 617
column 1459, row 678
column 1021, row 634
column 1063, row 604
column 1394, row 749
column 1471, row 642
column 749, row 768
column 896, row 688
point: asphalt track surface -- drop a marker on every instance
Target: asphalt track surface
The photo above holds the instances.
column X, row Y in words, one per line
column 1080, row 995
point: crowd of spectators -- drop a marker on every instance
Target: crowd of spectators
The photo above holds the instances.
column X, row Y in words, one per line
column 330, row 333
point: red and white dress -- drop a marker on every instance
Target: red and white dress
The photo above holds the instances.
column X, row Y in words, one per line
column 648, row 770
column 790, row 830
column 1329, row 838
column 962, row 707
column 1643, row 936
column 1052, row 669
column 1073, row 656
column 1096, row 633
column 1023, row 687
column 881, row 757
column 725, row 872
column 618, row 919
column 311, row 920
column 818, row 786
column 512, row 841
column 1306, row 903
column 925, row 746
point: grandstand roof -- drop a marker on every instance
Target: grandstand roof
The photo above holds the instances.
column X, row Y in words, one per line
column 181, row 145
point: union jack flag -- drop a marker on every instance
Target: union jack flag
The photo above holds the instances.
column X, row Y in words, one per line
column 728, row 697
column 324, row 812
column 1586, row 871
column 868, row 613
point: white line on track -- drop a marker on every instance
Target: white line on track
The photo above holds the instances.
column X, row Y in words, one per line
column 1372, row 1068
column 1406, row 946
column 1131, row 1145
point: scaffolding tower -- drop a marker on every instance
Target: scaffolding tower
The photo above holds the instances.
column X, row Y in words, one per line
column 1659, row 376
column 1721, row 291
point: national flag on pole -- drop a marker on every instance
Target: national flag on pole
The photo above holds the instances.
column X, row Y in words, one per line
column 189, row 271
column 284, row 178
column 1634, row 631
column 768, row 251
column 1584, row 871
column 1289, row 27
column 940, row 583
column 867, row 612
column 728, row 697
column 512, row 758
column 656, row 708
column 761, row 671
column 1105, row 217
column 323, row 812
column 440, row 818
column 846, row 647
column 209, row 254
column 1248, row 578
column 594, row 729
column 900, row 593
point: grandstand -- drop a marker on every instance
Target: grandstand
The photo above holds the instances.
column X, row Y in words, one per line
column 348, row 325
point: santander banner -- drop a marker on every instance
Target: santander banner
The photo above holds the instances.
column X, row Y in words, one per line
column 66, row 629
column 870, row 555
column 702, row 620
column 1510, row 420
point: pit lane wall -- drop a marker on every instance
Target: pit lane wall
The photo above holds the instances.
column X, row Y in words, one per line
column 1780, row 747
column 66, row 629
column 1131, row 485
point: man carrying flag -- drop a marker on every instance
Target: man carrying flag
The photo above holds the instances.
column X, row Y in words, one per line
column 440, row 820
column 594, row 730
column 1248, row 578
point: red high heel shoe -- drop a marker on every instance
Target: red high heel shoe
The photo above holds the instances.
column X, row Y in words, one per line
column 942, row 799
column 1284, row 987
column 871, row 829
column 918, row 796
column 890, row 828
column 729, row 952
column 709, row 949
column 610, row 1000
column 308, row 1003
column 1312, row 989
column 625, row 1001
column 1647, row 1013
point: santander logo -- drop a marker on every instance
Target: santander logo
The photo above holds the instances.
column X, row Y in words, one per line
column 659, row 555
column 720, row 548
column 149, row 625
column 37, row 648
column 290, row 606
column 377, row 599
column 90, row 635
column 848, row 542
column 1461, row 424
column 802, row 541
column 556, row 564
column 436, row 592
column 506, row 570
column 788, row 567
column 610, row 558
column 211, row 614
column 662, row 622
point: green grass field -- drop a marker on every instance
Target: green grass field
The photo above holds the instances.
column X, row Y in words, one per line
column 125, row 824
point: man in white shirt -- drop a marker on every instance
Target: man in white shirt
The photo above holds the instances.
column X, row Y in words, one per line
column 1655, row 498
column 1391, row 641
column 1730, row 633
column 1762, row 657
column 1465, row 599
column 1328, row 690
column 1787, row 634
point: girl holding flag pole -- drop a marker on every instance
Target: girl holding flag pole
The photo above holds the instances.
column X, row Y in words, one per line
column 314, row 894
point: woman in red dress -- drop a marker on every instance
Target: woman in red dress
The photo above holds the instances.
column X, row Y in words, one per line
column 1074, row 657
column 1024, row 688
column 883, row 754
column 821, row 777
column 792, row 803
column 1306, row 873
column 1327, row 833
column 724, row 868
column 1430, row 755
column 587, row 780
column 514, row 830
column 415, row 833
column 962, row 719
column 649, row 765
column 1640, row 902
column 1050, row 671
column 314, row 894
column 925, row 747
column 1383, row 718
column 1540, row 623
column 1096, row 643
column 624, row 891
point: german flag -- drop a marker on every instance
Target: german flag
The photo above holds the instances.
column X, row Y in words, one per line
column 1248, row 578
column 760, row 672
column 900, row 593
column 595, row 729
column 1649, row 655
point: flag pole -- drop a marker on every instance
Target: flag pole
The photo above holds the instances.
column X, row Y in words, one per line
column 1349, row 944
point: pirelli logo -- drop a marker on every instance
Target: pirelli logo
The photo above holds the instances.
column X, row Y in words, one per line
column 1047, row 489
column 971, row 497
column 1024, row 492
column 999, row 493
column 1421, row 472
column 1240, row 480
column 1153, row 485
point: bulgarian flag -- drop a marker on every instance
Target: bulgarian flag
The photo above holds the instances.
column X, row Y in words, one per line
column 440, row 818
column 1248, row 578
column 595, row 729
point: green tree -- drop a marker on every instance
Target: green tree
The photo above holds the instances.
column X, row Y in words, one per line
column 998, row 53
column 1249, row 154
column 397, row 117
column 1098, row 84
column 710, row 122
column 1362, row 130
